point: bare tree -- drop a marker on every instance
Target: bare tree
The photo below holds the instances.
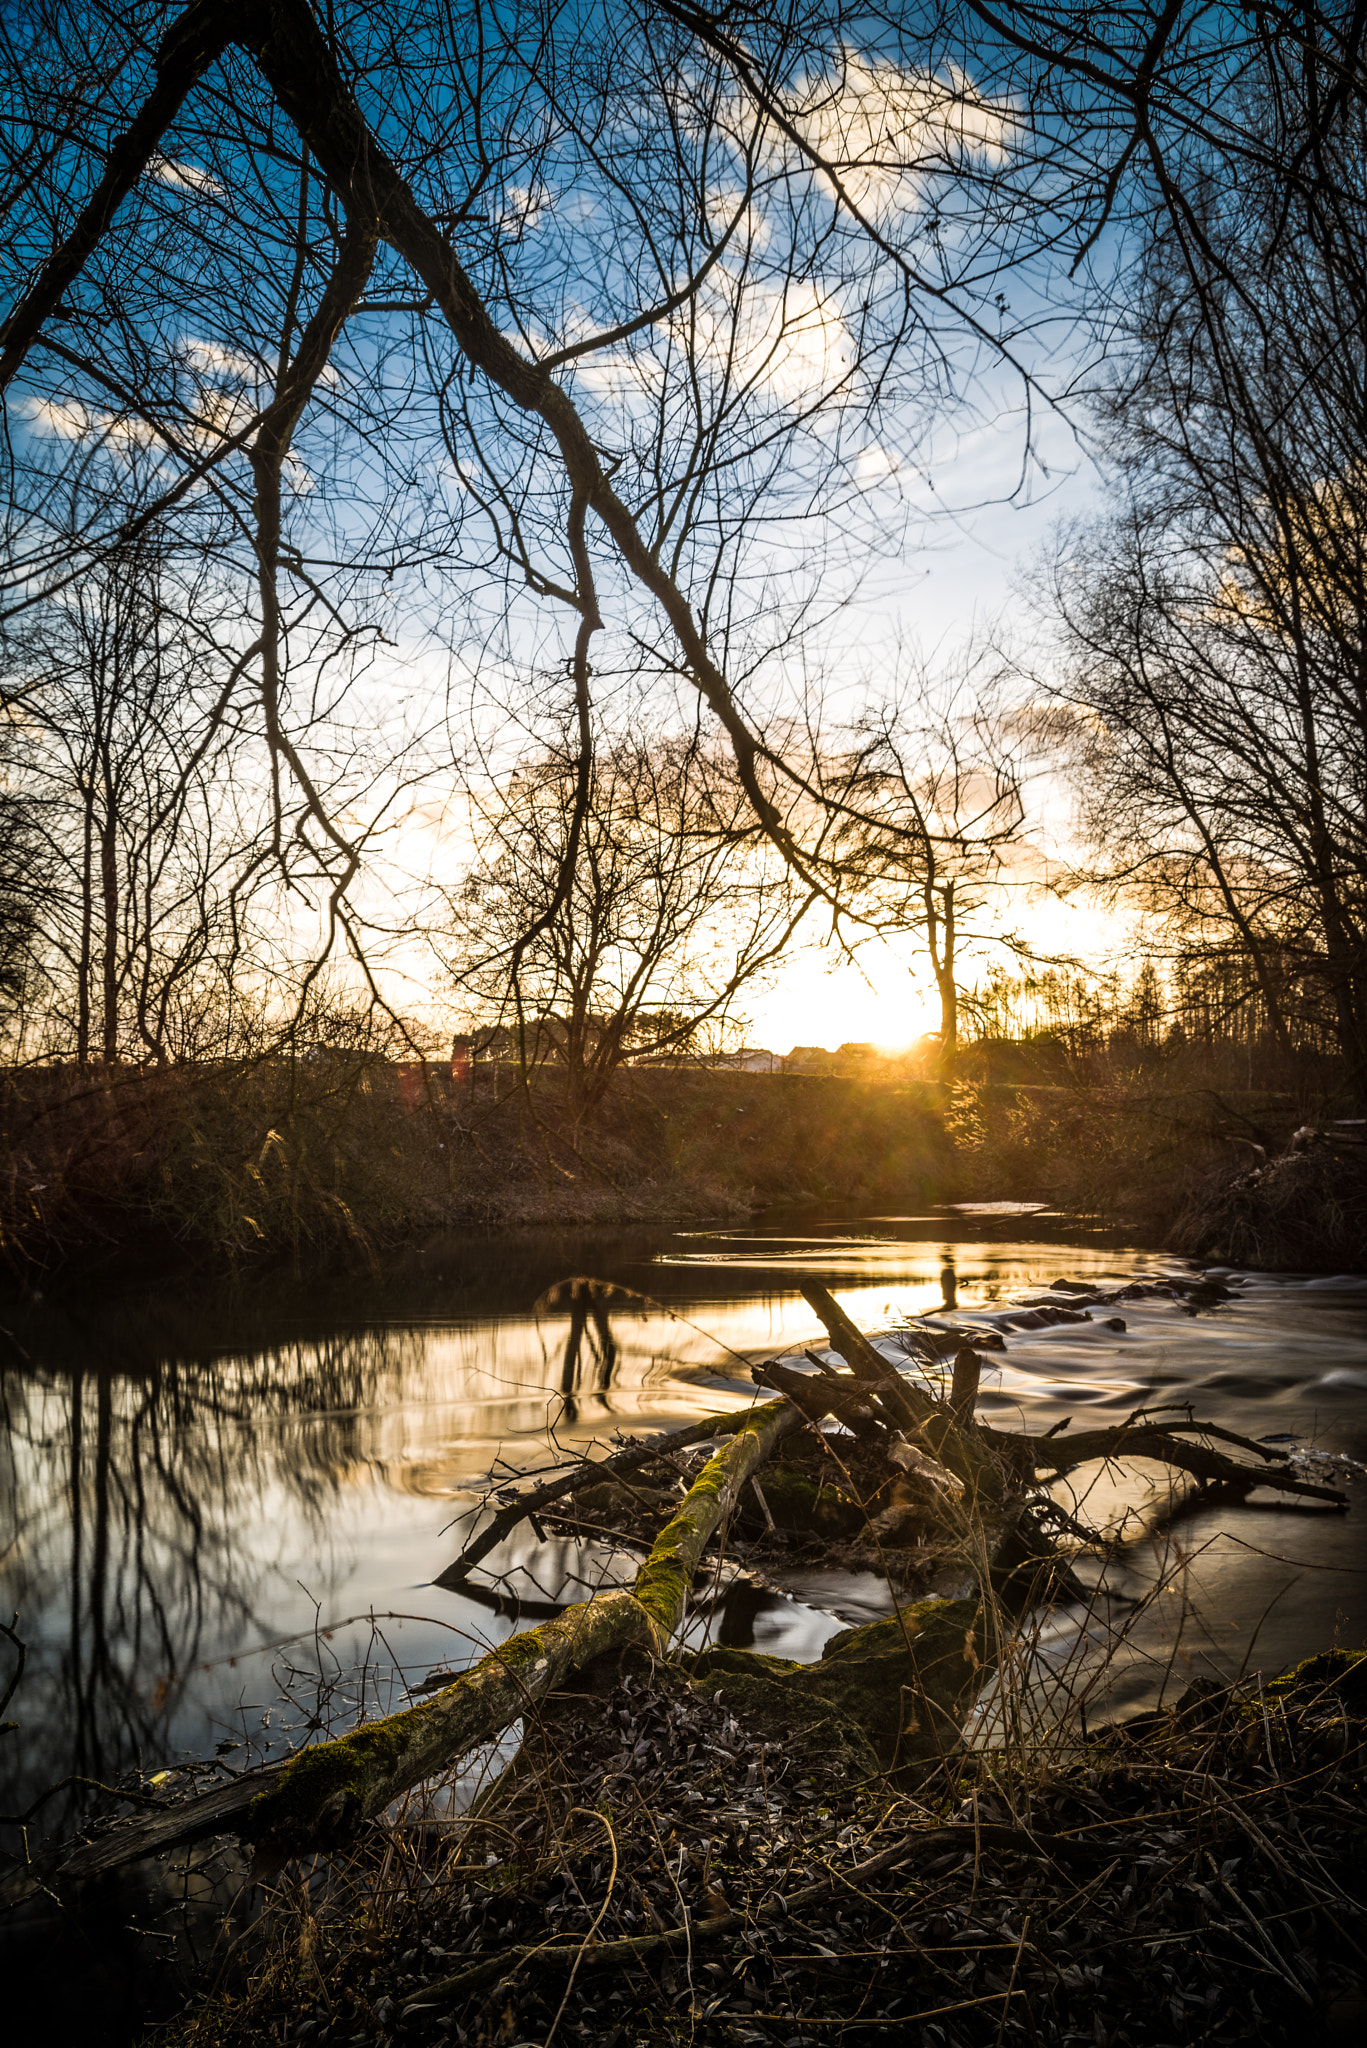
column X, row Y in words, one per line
column 675, row 904
column 124, row 745
column 567, row 311
column 610, row 312
column 22, row 879
column 928, row 799
column 1214, row 632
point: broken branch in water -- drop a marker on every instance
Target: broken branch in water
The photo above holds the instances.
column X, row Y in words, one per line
column 819, row 1398
column 956, row 1438
column 533, row 1502
column 943, row 1647
column 916, row 1413
column 1147, row 1440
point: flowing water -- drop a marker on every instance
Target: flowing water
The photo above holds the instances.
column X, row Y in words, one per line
column 217, row 1502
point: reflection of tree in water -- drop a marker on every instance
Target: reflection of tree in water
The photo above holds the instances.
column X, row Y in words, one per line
column 136, row 1490
column 588, row 1319
column 157, row 1454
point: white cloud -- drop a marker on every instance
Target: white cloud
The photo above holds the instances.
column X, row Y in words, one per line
column 886, row 132
column 784, row 341
column 189, row 177
column 65, row 417
column 70, row 420
column 215, row 360
column 525, row 206
column 876, row 465
column 751, row 230
column 790, row 340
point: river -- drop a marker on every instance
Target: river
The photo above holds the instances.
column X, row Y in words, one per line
column 223, row 1506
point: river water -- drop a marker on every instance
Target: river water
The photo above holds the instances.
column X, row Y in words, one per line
column 222, row 1508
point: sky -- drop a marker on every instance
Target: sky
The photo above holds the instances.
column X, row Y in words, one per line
column 946, row 472
column 969, row 578
column 964, row 573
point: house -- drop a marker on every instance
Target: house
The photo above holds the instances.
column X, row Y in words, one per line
column 749, row 1060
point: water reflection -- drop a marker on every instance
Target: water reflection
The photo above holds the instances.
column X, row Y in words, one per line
column 588, row 1318
column 193, row 1481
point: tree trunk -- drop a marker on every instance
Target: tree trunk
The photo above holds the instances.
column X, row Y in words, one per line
column 86, row 947
column 944, row 979
column 109, row 951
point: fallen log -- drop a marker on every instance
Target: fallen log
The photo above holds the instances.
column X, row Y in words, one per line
column 963, row 1450
column 664, row 1579
column 317, row 1797
column 830, row 1395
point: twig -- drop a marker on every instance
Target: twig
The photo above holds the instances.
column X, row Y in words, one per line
column 637, row 1947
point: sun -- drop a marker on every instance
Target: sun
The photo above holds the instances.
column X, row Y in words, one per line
column 814, row 1003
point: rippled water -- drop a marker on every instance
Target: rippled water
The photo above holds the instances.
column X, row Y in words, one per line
column 210, row 1496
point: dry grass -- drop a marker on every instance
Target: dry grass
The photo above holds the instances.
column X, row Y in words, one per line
column 1306, row 1209
column 355, row 1151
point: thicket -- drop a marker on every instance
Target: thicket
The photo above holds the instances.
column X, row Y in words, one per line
column 918, row 1830
column 310, row 1157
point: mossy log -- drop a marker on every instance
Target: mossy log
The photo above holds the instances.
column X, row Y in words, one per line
column 324, row 1792
column 664, row 1579
column 318, row 1796
column 897, row 1689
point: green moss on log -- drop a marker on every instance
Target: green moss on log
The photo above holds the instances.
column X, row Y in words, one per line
column 323, row 1792
column 1340, row 1671
column 905, row 1683
column 664, row 1579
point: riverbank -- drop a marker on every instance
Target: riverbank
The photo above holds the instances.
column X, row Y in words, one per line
column 919, row 1830
column 657, row 1874
column 351, row 1155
